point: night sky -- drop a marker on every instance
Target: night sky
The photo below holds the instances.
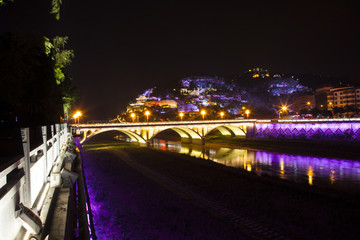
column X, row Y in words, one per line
column 124, row 47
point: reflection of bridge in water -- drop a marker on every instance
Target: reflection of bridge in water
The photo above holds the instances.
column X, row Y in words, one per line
column 308, row 169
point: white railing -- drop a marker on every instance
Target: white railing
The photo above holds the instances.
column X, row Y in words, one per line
column 26, row 180
column 126, row 124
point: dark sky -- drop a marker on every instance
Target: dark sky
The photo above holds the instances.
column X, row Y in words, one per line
column 124, row 47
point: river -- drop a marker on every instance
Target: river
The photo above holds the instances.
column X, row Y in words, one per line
column 340, row 174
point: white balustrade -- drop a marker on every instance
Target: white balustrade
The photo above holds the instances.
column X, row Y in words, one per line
column 27, row 185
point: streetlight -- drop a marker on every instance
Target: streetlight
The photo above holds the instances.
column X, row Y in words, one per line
column 330, row 105
column 181, row 115
column 283, row 109
column 222, row 115
column 147, row 113
column 247, row 112
column 203, row 114
column 132, row 115
column 77, row 115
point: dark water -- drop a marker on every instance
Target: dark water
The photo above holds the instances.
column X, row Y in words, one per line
column 340, row 174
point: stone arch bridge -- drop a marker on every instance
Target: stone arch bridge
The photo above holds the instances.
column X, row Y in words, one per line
column 190, row 131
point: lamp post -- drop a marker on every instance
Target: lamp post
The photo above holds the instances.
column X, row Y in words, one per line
column 283, row 109
column 181, row 116
column 247, row 112
column 203, row 114
column 222, row 115
column 147, row 113
column 132, row 115
column 330, row 105
column 77, row 115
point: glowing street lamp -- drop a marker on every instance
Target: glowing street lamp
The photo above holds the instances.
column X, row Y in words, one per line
column 222, row 115
column 181, row 115
column 203, row 114
column 147, row 113
column 309, row 104
column 132, row 115
column 330, row 105
column 283, row 109
column 247, row 112
column 77, row 115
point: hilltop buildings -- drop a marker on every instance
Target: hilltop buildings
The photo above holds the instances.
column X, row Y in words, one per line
column 255, row 90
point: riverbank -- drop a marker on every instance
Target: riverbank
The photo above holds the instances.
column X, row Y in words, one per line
column 318, row 148
column 295, row 211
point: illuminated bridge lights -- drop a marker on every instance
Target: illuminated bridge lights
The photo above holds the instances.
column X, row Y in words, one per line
column 193, row 130
column 343, row 129
column 337, row 129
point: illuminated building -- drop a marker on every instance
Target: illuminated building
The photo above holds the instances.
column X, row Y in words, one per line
column 304, row 102
column 145, row 100
column 259, row 73
column 343, row 96
column 162, row 104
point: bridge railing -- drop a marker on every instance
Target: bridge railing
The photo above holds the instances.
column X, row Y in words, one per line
column 23, row 180
column 164, row 123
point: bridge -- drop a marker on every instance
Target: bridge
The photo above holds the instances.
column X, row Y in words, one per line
column 196, row 131
column 190, row 131
column 343, row 129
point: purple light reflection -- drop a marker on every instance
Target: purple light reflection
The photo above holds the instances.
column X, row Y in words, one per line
column 299, row 168
column 327, row 172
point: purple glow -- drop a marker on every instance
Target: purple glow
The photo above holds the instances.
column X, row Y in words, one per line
column 345, row 173
column 326, row 172
column 316, row 130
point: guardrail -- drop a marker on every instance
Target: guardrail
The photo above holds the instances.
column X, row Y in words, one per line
column 125, row 124
column 26, row 182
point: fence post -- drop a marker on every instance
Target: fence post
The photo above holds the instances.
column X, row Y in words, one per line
column 52, row 145
column 57, row 126
column 44, row 136
column 26, row 148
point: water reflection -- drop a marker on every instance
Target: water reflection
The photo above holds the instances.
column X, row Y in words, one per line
column 336, row 173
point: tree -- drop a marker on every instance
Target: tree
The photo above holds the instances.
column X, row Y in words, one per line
column 62, row 58
column 55, row 7
column 29, row 94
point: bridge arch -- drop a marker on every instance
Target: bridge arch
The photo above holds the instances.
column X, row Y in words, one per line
column 228, row 130
column 184, row 132
column 132, row 135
